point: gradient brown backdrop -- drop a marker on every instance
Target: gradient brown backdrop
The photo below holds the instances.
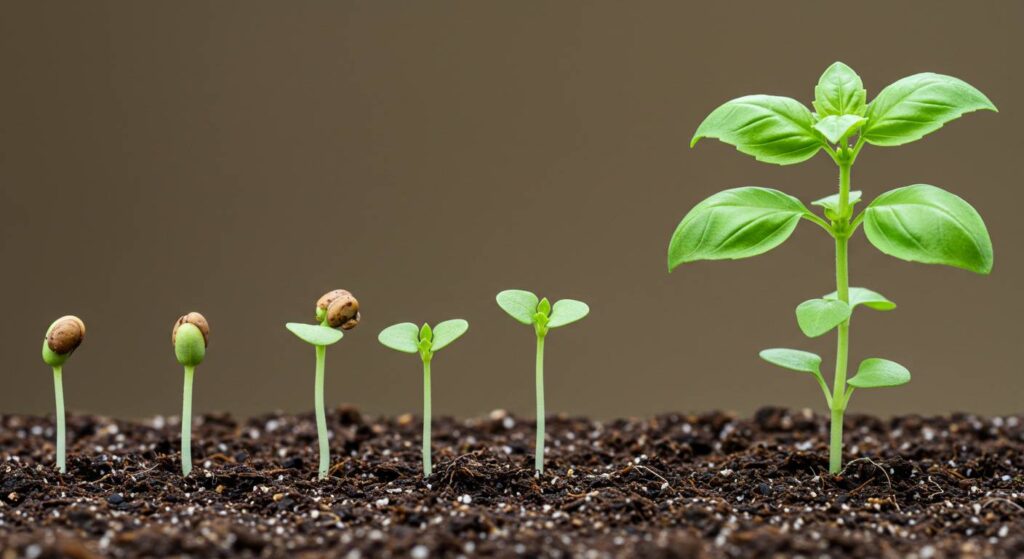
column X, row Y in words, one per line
column 241, row 158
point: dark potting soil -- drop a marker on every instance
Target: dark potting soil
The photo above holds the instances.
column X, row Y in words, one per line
column 710, row 485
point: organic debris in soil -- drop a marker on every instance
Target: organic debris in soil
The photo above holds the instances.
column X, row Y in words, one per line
column 710, row 485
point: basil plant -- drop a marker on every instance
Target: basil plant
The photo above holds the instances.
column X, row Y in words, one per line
column 918, row 223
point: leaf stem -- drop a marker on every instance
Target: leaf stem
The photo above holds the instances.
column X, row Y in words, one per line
column 428, row 467
column 538, row 463
column 58, row 394
column 321, row 418
column 186, row 422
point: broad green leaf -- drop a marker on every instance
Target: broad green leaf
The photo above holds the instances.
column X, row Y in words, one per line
column 447, row 332
column 770, row 128
column 866, row 297
column 402, row 337
column 567, row 311
column 818, row 316
column 923, row 223
column 917, row 105
column 837, row 127
column 735, row 223
column 793, row 359
column 315, row 333
column 840, row 91
column 519, row 304
column 877, row 373
column 831, row 203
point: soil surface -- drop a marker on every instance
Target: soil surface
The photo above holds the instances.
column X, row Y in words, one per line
column 711, row 485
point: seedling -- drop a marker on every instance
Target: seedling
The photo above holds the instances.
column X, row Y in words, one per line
column 61, row 340
column 407, row 338
column 918, row 223
column 335, row 309
column 190, row 338
column 524, row 307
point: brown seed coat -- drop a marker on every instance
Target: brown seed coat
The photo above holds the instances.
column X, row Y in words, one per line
column 197, row 320
column 65, row 335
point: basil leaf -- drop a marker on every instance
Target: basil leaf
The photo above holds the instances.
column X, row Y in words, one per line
column 818, row 316
column 837, row 127
column 402, row 337
column 917, row 105
column 735, row 223
column 519, row 304
column 923, row 223
column 567, row 311
column 447, row 332
column 877, row 373
column 315, row 334
column 840, row 91
column 793, row 359
column 866, row 297
column 770, row 128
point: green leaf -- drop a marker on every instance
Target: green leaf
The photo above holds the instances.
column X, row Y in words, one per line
column 544, row 307
column 189, row 345
column 770, row 128
column 866, row 297
column 837, row 127
column 314, row 333
column 402, row 337
column 426, row 333
column 447, row 332
column 831, row 203
column 923, row 223
column 840, row 91
column 818, row 316
column 735, row 223
column 877, row 373
column 917, row 105
column 793, row 359
column 519, row 304
column 567, row 311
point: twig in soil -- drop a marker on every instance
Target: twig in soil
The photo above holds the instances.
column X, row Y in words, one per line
column 993, row 500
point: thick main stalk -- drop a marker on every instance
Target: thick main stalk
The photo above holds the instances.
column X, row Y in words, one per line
column 841, row 233
column 321, row 418
column 538, row 464
column 58, row 394
column 428, row 467
column 186, row 422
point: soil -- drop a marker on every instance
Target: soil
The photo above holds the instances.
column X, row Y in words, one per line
column 711, row 485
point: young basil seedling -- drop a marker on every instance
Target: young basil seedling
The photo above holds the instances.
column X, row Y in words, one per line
column 61, row 340
column 918, row 223
column 335, row 309
column 524, row 307
column 405, row 337
column 190, row 338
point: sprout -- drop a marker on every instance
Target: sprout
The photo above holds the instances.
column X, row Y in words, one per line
column 335, row 309
column 405, row 337
column 190, row 337
column 524, row 307
column 62, row 338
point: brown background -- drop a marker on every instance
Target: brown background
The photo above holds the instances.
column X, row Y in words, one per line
column 240, row 159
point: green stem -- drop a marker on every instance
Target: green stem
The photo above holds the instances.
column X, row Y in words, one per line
column 321, row 418
column 58, row 394
column 186, row 422
column 428, row 467
column 538, row 463
column 843, row 337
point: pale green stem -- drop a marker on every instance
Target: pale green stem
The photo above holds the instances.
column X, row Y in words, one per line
column 843, row 337
column 428, row 467
column 186, row 422
column 321, row 418
column 58, row 394
column 538, row 464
